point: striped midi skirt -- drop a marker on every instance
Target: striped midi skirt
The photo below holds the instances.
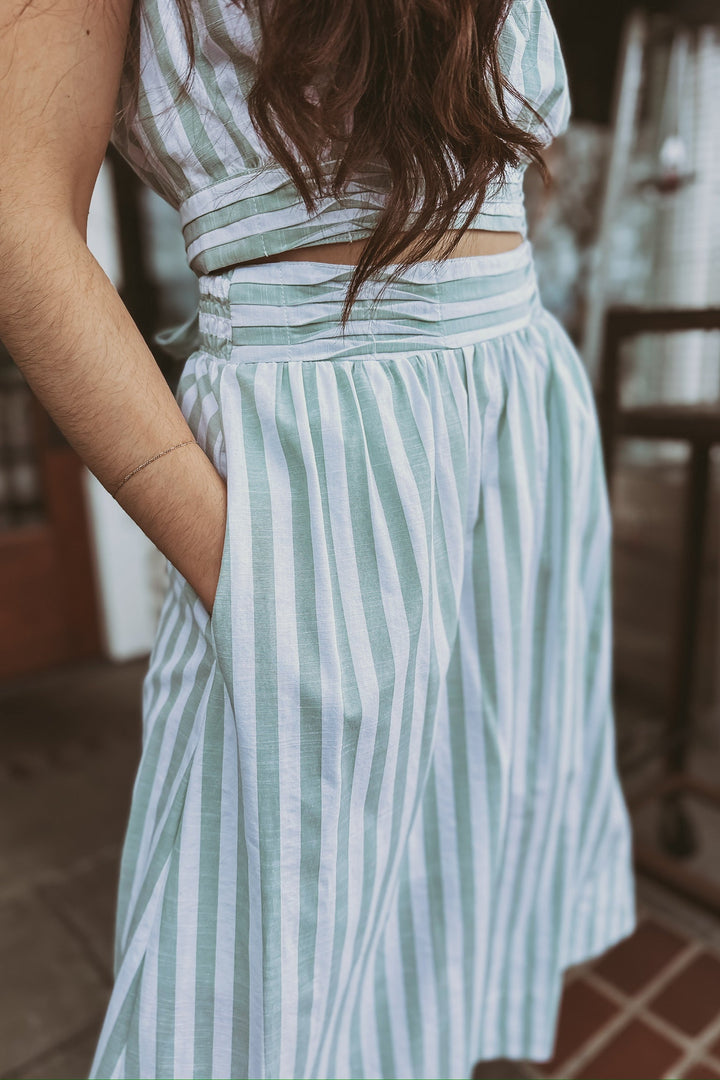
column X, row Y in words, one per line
column 377, row 811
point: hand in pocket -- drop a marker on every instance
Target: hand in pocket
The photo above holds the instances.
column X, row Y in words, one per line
column 207, row 581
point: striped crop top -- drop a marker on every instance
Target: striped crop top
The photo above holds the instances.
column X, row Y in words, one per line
column 200, row 152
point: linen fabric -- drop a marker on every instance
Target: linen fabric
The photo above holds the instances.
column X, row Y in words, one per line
column 377, row 812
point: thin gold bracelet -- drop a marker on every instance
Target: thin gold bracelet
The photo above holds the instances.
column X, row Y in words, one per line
column 154, row 458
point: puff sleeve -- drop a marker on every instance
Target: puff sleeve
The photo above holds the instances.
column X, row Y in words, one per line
column 531, row 56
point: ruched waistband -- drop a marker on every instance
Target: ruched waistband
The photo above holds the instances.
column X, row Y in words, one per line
column 290, row 310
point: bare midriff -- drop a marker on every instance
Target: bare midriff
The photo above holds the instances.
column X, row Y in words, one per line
column 472, row 242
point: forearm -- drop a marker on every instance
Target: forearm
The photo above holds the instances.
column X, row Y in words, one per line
column 81, row 353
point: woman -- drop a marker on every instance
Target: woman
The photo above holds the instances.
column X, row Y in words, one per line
column 377, row 812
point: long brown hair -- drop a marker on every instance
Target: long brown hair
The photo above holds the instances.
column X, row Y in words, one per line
column 422, row 82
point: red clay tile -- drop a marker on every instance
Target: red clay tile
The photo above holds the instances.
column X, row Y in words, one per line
column 583, row 1011
column 692, row 999
column 636, row 1053
column 701, row 1070
column 636, row 960
column 715, row 1049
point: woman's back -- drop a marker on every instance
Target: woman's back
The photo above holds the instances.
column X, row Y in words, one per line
column 198, row 148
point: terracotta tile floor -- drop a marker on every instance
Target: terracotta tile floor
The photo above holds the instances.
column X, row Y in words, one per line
column 648, row 1008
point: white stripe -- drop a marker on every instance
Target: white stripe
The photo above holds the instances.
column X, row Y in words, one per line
column 119, row 1069
column 148, row 1010
column 454, row 1007
column 370, row 1047
column 332, row 724
column 427, row 984
column 132, row 958
column 243, row 689
column 289, row 715
column 225, row 941
column 353, row 614
column 154, row 823
column 187, row 922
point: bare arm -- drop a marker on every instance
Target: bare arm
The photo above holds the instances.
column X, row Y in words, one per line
column 60, row 316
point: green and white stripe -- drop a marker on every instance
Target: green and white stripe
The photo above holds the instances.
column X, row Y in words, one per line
column 377, row 811
column 200, row 151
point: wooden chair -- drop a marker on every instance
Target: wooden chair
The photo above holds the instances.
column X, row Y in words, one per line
column 699, row 426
